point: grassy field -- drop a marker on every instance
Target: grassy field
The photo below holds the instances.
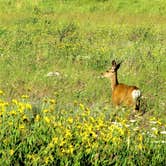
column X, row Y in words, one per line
column 68, row 119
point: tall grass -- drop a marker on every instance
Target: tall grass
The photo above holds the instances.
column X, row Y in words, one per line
column 79, row 40
column 81, row 136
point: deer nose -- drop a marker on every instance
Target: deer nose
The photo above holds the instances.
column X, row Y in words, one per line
column 101, row 75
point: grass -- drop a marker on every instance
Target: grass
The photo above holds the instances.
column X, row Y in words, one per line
column 48, row 135
column 79, row 40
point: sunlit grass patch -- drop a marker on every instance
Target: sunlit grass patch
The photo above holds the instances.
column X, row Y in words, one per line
column 55, row 108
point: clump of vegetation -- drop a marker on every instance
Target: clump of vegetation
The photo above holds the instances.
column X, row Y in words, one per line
column 68, row 118
column 49, row 135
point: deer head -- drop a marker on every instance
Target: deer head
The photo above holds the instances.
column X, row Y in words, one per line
column 113, row 70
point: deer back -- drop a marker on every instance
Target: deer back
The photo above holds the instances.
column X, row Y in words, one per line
column 125, row 95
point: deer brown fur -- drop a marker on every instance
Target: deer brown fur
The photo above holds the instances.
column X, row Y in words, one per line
column 122, row 94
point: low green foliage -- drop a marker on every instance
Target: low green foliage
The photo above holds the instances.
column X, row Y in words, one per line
column 48, row 135
column 76, row 41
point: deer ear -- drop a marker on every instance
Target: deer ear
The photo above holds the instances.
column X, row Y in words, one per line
column 118, row 65
column 113, row 63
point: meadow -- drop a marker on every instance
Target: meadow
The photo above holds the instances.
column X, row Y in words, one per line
column 68, row 118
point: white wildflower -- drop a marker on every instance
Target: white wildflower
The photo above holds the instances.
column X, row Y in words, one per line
column 132, row 120
column 154, row 129
column 163, row 132
column 153, row 122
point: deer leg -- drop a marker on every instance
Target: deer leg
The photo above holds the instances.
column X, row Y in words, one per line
column 137, row 106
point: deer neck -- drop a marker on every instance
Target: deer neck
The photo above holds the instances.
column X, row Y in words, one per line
column 114, row 81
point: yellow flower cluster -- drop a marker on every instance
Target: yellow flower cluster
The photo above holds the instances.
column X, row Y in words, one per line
column 51, row 133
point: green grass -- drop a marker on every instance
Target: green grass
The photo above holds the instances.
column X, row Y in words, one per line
column 52, row 136
column 79, row 39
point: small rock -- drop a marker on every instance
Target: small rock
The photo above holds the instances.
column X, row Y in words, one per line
column 53, row 74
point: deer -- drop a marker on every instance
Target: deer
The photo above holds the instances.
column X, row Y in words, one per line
column 122, row 94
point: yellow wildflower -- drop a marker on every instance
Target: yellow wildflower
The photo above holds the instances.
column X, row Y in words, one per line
column 33, row 157
column 100, row 122
column 68, row 134
column 140, row 146
column 21, row 126
column 88, row 150
column 155, row 131
column 70, row 149
column 70, row 120
column 116, row 140
column 63, row 150
column 93, row 134
column 30, row 156
column 152, row 119
column 87, row 111
column 50, row 145
column 1, row 112
column 45, row 111
column 25, row 118
column 55, row 140
column 82, row 106
column 46, row 160
column 92, row 119
column 14, row 101
column 51, row 109
column 6, row 141
column 25, row 96
column 1, row 93
column 121, row 131
column 46, row 119
column 11, row 152
column 37, row 118
column 52, row 101
column 13, row 112
column 28, row 106
column 63, row 142
column 140, row 137
column 3, row 104
column 10, row 123
column 159, row 122
column 21, row 107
